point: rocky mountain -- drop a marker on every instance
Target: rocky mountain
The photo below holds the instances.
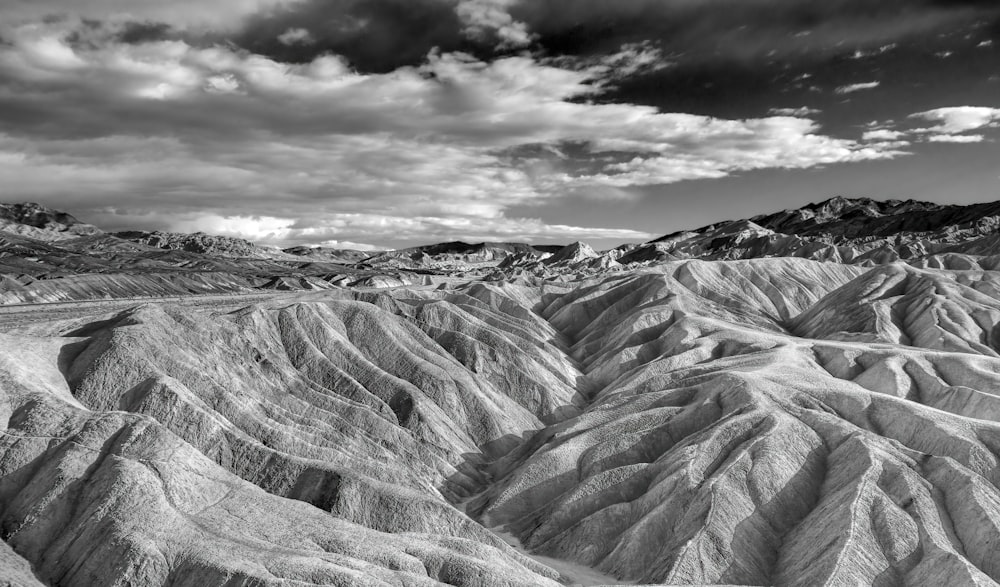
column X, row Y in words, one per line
column 345, row 256
column 859, row 230
column 199, row 242
column 504, row 415
column 460, row 256
column 42, row 223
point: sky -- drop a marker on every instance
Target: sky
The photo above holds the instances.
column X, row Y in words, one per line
column 389, row 123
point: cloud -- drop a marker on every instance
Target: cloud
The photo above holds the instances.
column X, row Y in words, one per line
column 850, row 89
column 777, row 142
column 374, row 36
column 349, row 245
column 446, row 149
column 295, row 36
column 333, row 229
column 956, row 138
column 882, row 135
column 800, row 112
column 864, row 54
column 952, row 122
column 958, row 119
column 483, row 18
column 628, row 61
column 197, row 14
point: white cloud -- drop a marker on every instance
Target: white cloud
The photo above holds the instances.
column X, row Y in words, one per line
column 296, row 37
column 634, row 58
column 958, row 119
column 260, row 228
column 349, row 245
column 952, row 122
column 800, row 112
column 882, row 135
column 863, row 54
column 956, row 138
column 492, row 17
column 850, row 89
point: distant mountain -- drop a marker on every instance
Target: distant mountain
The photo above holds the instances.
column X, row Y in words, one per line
column 846, row 230
column 348, row 256
column 42, row 223
column 460, row 255
column 199, row 242
column 39, row 244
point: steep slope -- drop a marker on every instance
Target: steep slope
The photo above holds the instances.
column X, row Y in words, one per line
column 718, row 449
column 314, row 428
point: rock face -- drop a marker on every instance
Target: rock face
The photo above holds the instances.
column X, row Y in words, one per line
column 620, row 418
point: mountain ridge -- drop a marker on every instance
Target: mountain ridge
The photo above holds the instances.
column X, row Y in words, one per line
column 88, row 262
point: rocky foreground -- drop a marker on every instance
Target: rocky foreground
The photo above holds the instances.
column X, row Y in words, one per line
column 762, row 421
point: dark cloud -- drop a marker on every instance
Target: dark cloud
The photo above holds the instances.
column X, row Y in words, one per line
column 374, row 35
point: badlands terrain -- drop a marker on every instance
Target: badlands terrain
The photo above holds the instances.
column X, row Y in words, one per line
column 804, row 398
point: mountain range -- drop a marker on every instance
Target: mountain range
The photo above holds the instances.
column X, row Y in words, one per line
column 39, row 246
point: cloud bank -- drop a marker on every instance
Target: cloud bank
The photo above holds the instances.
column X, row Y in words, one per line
column 445, row 148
